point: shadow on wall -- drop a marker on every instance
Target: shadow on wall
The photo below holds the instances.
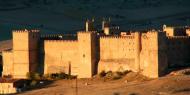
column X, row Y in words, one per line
column 1, row 65
column 97, row 55
column 41, row 57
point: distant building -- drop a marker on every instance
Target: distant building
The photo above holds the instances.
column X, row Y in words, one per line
column 90, row 52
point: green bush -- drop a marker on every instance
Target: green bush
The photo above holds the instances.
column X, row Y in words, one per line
column 33, row 83
column 120, row 73
column 33, row 76
column 113, row 75
column 102, row 74
column 117, row 75
column 58, row 76
column 109, row 74
column 46, row 76
column 116, row 93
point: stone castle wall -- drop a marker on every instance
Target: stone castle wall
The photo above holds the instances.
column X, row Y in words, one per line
column 153, row 58
column 7, row 88
column 8, row 59
column 72, row 56
column 178, row 51
column 150, row 53
column 137, row 52
column 87, row 54
column 24, row 53
column 59, row 55
column 125, row 47
column 117, row 53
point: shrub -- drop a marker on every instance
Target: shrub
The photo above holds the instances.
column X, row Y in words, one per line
column 126, row 72
column 33, row 76
column 54, row 76
column 36, row 76
column 109, row 74
column 58, row 76
column 102, row 74
column 120, row 73
column 132, row 94
column 33, row 83
column 47, row 76
column 116, row 93
column 117, row 75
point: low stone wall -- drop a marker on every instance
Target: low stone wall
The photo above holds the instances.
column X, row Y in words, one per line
column 7, row 88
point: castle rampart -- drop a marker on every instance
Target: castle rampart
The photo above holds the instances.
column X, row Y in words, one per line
column 178, row 51
column 8, row 59
column 70, row 52
column 88, row 52
column 126, row 57
column 59, row 55
column 25, row 52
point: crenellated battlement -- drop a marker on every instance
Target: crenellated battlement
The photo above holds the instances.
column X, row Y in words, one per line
column 79, row 54
column 115, row 27
column 60, row 41
column 86, row 32
column 26, row 31
column 35, row 30
column 178, row 37
column 51, row 36
column 20, row 31
column 152, row 32
column 117, row 37
column 57, row 35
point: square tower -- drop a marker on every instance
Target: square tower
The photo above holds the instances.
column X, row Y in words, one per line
column 153, row 57
column 25, row 52
column 87, row 54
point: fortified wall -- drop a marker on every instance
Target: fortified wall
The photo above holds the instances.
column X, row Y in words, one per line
column 153, row 58
column 178, row 44
column 24, row 54
column 178, row 51
column 90, row 52
column 119, row 53
column 139, row 52
column 76, row 57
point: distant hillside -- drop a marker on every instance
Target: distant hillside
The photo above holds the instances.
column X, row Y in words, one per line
column 68, row 16
column 5, row 45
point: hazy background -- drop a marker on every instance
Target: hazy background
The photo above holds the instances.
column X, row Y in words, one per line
column 68, row 16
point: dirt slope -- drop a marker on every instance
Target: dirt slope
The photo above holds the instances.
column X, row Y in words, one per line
column 175, row 85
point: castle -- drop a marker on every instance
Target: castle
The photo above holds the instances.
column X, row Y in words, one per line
column 90, row 52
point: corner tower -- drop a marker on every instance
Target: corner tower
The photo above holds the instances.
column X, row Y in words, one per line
column 153, row 55
column 25, row 52
column 87, row 54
